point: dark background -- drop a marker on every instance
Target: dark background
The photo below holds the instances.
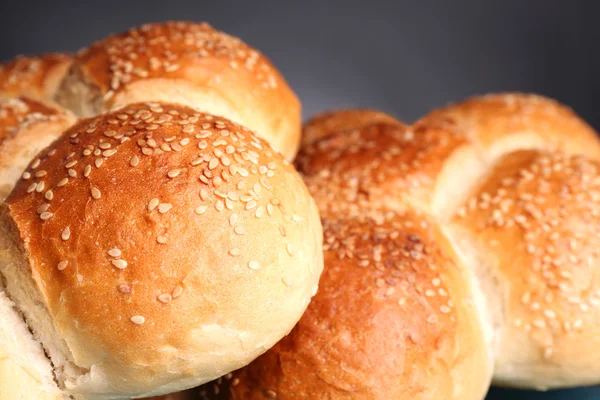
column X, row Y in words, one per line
column 403, row 57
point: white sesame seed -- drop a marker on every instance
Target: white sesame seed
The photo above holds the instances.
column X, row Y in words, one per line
column 49, row 195
column 161, row 239
column 26, row 175
column 121, row 264
column 173, row 173
column 45, row 216
column 153, row 203
column 234, row 252
column 164, row 207
column 165, row 298
column 62, row 265
column 96, row 193
column 114, row 252
column 138, row 319
column 177, row 291
column 62, row 182
column 87, row 170
column 254, row 265
column 134, row 161
column 66, row 233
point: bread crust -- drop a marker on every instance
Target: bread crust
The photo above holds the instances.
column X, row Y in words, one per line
column 191, row 64
column 168, row 246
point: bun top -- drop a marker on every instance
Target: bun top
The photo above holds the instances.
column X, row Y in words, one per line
column 191, row 64
column 26, row 127
column 36, row 77
column 168, row 246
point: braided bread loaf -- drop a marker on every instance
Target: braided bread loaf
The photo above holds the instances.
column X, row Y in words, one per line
column 460, row 249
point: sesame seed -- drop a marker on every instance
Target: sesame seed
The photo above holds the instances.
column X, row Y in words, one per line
column 201, row 209
column 234, row 252
column 62, row 182
column 62, row 265
column 219, row 205
column 164, row 207
column 87, row 171
column 239, row 230
column 26, row 175
column 165, row 298
column 72, row 173
column 251, row 204
column 254, row 265
column 134, row 161
column 45, row 216
column 109, row 153
column 177, row 291
column 173, row 173
column 44, row 207
column 40, row 174
column 161, row 239
column 49, row 195
column 125, row 289
column 153, row 203
column 114, row 252
column 66, row 233
column 96, row 193
column 138, row 319
column 35, row 164
column 203, row 194
column 121, row 264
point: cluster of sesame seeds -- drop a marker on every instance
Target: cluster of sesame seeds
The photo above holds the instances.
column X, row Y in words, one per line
column 28, row 71
column 366, row 165
column 549, row 202
column 232, row 168
column 156, row 50
column 404, row 262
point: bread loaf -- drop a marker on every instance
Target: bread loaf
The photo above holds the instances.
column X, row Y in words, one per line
column 460, row 249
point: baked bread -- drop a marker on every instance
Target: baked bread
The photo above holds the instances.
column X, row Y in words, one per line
column 189, row 64
column 36, row 77
column 460, row 249
column 155, row 248
column 26, row 127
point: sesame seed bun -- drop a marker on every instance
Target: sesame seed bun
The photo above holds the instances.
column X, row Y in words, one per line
column 190, row 64
column 36, row 77
column 329, row 122
column 26, row 127
column 175, row 247
column 532, row 232
column 460, row 249
column 390, row 321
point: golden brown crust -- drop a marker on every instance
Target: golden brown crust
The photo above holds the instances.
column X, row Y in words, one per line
column 170, row 246
column 36, row 77
column 531, row 291
column 330, row 122
column 533, row 121
column 378, row 166
column 26, row 127
column 218, row 74
column 544, row 207
column 390, row 321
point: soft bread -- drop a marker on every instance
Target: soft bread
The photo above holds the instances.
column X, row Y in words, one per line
column 189, row 64
column 499, row 196
column 36, row 77
column 155, row 248
column 26, row 127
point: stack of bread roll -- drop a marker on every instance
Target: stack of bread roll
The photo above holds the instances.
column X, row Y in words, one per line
column 163, row 240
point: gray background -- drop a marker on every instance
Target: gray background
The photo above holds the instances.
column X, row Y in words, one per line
column 403, row 57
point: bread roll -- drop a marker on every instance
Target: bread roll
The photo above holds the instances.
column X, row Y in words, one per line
column 464, row 241
column 329, row 122
column 26, row 127
column 155, row 248
column 190, row 64
column 36, row 77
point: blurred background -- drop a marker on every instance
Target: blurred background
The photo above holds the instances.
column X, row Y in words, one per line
column 402, row 57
